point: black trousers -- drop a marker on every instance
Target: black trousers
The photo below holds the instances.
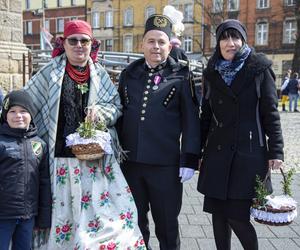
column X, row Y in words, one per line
column 156, row 188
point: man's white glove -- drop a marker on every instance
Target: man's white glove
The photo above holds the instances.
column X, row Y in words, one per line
column 186, row 173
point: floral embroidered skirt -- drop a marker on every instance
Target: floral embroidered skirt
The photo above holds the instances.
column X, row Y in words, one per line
column 93, row 208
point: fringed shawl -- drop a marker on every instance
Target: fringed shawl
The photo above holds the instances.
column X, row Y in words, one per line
column 45, row 90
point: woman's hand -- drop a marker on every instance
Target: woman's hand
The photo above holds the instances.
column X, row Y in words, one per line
column 91, row 114
column 275, row 164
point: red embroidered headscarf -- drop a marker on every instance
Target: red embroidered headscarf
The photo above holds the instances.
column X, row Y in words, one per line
column 76, row 27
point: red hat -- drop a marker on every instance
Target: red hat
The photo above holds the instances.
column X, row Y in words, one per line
column 77, row 27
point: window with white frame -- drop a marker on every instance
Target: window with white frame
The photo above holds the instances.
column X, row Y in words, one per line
column 261, row 34
column 109, row 19
column 59, row 3
column 27, row 4
column 95, row 20
column 108, row 45
column 233, row 5
column 188, row 44
column 188, row 13
column 150, row 10
column 262, row 4
column 28, row 28
column 128, row 43
column 213, row 41
column 60, row 25
column 45, row 4
column 289, row 2
column 73, row 2
column 47, row 24
column 289, row 31
column 217, row 6
column 128, row 17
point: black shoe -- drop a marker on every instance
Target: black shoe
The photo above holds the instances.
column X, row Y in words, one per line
column 296, row 110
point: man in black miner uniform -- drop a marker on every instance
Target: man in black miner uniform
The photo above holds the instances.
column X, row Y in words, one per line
column 160, row 129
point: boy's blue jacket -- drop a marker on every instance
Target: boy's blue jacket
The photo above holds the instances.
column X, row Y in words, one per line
column 25, row 189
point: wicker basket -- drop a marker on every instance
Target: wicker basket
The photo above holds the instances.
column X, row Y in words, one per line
column 88, row 152
column 286, row 211
column 274, row 216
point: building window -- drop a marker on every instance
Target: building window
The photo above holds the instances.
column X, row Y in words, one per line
column 108, row 45
column 289, row 31
column 47, row 24
column 73, row 2
column 128, row 17
column 289, row 2
column 60, row 25
column 217, row 6
column 233, row 5
column 188, row 44
column 73, row 18
column 109, row 19
column 59, row 3
column 127, row 44
column 261, row 33
column 27, row 4
column 95, row 20
column 262, row 4
column 188, row 13
column 45, row 4
column 150, row 10
column 28, row 28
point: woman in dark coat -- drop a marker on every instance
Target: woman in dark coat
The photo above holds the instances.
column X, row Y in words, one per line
column 241, row 133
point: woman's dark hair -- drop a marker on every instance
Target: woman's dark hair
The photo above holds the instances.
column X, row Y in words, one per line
column 233, row 33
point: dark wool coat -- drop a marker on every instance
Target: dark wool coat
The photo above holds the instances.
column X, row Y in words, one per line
column 154, row 119
column 232, row 126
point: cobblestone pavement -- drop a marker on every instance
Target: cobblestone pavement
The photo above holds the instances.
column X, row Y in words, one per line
column 195, row 225
column 290, row 123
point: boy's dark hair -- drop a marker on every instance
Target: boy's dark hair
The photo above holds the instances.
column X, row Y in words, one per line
column 17, row 98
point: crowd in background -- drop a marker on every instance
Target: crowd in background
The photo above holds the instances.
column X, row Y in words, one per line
column 290, row 90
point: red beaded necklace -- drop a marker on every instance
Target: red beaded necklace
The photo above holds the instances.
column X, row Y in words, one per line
column 77, row 76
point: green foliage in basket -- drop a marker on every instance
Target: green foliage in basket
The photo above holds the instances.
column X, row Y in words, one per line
column 101, row 126
column 260, row 191
column 87, row 129
column 287, row 181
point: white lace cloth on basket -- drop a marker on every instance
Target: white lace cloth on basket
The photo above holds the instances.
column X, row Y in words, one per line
column 277, row 202
column 101, row 137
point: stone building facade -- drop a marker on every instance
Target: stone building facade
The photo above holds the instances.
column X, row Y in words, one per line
column 12, row 48
column 129, row 21
column 100, row 14
column 50, row 14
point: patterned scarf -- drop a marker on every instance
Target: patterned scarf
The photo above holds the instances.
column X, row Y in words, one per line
column 229, row 69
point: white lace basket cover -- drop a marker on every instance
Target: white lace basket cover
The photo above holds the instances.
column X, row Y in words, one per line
column 279, row 210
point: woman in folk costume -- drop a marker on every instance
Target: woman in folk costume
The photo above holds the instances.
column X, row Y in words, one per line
column 93, row 207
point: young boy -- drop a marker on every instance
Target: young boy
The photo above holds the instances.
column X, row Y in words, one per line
column 25, row 195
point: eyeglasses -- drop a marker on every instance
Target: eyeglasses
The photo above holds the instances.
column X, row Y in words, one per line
column 83, row 42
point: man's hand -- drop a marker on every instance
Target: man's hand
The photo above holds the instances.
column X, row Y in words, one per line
column 186, row 173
